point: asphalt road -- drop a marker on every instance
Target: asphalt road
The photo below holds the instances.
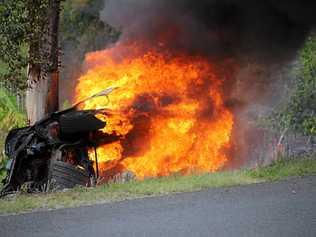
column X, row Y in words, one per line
column 286, row 208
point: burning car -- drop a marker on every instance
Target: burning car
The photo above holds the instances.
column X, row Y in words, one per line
column 53, row 153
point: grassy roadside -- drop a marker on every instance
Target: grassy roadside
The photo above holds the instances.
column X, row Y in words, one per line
column 155, row 187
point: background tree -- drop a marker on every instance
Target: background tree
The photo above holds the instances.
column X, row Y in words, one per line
column 32, row 25
column 43, row 61
column 28, row 36
column 14, row 38
column 81, row 31
column 298, row 113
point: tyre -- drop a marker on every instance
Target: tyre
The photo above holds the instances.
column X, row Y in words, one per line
column 65, row 175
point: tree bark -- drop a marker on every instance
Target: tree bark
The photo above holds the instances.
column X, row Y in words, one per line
column 43, row 76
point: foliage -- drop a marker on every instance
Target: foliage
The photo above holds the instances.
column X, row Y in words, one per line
column 11, row 116
column 82, row 31
column 2, row 167
column 81, row 25
column 21, row 26
column 13, row 32
column 299, row 113
column 12, row 38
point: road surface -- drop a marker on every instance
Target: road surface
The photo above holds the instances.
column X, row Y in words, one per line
column 286, row 208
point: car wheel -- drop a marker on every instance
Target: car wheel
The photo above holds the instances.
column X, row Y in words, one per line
column 65, row 175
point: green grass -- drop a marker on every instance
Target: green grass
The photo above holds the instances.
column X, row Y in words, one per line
column 286, row 168
column 155, row 187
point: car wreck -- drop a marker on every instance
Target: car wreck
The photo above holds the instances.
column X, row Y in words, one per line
column 53, row 153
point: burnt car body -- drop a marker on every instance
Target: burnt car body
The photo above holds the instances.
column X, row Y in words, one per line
column 53, row 153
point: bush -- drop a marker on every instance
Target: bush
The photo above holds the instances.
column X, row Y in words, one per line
column 298, row 115
column 10, row 117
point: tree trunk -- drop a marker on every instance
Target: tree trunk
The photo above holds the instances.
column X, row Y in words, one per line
column 43, row 75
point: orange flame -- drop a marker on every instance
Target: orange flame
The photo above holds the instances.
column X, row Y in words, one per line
column 169, row 110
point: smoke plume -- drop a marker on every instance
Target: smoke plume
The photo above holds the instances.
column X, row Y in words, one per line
column 262, row 37
column 258, row 30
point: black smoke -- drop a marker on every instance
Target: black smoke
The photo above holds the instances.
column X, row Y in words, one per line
column 260, row 37
column 265, row 31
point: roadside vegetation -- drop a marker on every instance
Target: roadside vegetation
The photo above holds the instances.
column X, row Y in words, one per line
column 11, row 116
column 80, row 196
column 297, row 112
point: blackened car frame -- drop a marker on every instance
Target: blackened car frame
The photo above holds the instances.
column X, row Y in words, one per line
column 53, row 153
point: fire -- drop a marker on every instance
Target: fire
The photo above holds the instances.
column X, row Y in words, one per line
column 168, row 109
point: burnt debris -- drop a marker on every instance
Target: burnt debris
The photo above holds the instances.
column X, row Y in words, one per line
column 53, row 153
